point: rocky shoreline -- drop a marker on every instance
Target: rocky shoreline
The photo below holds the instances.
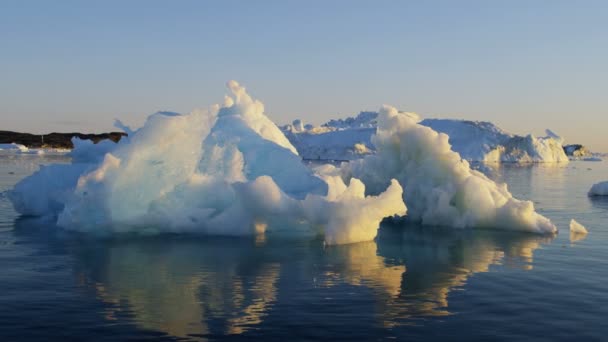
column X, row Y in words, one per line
column 54, row 140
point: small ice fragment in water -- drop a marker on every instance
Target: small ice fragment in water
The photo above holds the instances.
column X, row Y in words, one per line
column 577, row 231
column 577, row 228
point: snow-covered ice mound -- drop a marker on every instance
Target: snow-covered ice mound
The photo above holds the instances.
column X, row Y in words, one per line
column 439, row 186
column 226, row 170
column 599, row 189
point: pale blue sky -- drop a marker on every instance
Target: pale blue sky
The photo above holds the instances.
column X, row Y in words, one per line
column 525, row 65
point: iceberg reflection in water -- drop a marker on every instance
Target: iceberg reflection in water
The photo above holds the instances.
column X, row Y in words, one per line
column 203, row 287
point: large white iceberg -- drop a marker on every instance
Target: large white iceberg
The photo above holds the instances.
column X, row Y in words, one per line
column 229, row 170
column 225, row 170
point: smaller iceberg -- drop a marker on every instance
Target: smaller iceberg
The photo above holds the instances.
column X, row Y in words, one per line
column 599, row 189
column 577, row 228
column 14, row 148
column 577, row 231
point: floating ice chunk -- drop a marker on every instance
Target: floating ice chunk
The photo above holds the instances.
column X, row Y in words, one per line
column 577, row 231
column 13, row 148
column 599, row 189
column 439, row 187
column 577, row 228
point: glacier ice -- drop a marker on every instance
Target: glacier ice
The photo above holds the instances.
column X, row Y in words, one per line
column 224, row 170
column 13, row 148
column 577, row 228
column 229, row 170
column 475, row 141
column 439, row 186
column 578, row 232
column 599, row 189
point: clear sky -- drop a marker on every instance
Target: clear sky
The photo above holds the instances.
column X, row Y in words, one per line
column 525, row 65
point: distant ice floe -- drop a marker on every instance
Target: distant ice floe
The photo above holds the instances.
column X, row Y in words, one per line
column 599, row 189
column 18, row 149
column 580, row 152
column 475, row 141
column 229, row 170
column 13, row 148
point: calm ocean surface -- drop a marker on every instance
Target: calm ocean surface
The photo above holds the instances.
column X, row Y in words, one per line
column 413, row 283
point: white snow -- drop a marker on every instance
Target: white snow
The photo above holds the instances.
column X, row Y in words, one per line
column 577, row 228
column 439, row 187
column 599, row 189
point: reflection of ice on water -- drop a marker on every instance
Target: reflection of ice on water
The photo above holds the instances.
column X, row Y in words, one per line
column 439, row 261
column 228, row 286
column 358, row 264
column 177, row 289
column 575, row 237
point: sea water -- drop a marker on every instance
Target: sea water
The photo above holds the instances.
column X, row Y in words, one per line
column 412, row 283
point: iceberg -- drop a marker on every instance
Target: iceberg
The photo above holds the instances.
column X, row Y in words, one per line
column 475, row 141
column 440, row 188
column 225, row 170
column 577, row 228
column 229, row 170
column 599, row 189
column 13, row 148
column 479, row 141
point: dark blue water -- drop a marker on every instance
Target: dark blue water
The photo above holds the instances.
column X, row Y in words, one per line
column 413, row 283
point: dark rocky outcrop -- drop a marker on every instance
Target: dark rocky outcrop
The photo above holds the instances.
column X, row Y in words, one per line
column 54, row 140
